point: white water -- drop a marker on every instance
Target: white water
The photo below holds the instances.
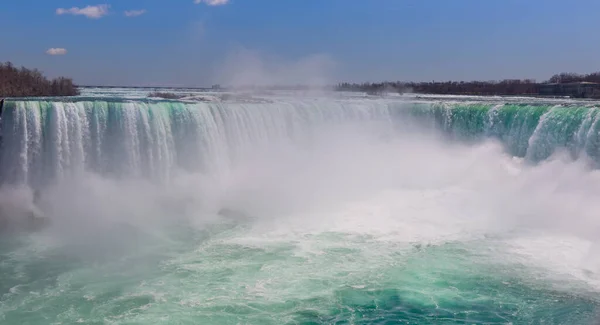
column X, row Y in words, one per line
column 332, row 185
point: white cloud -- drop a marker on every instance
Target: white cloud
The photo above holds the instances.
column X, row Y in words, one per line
column 93, row 12
column 56, row 51
column 212, row 2
column 135, row 13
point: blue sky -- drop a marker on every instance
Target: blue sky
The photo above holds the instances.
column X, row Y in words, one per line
column 183, row 43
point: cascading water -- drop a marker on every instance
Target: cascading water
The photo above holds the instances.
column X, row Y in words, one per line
column 45, row 139
column 346, row 209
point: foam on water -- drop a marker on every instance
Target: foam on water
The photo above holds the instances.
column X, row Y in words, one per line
column 357, row 211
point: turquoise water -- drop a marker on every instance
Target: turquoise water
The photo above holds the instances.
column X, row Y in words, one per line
column 338, row 278
column 352, row 211
column 528, row 130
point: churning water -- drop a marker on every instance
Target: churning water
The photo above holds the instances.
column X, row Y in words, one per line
column 302, row 209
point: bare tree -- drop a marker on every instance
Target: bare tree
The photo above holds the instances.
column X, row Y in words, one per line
column 32, row 83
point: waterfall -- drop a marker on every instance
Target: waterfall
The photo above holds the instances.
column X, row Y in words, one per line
column 44, row 140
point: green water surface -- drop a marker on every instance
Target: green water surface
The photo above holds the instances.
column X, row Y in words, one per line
column 226, row 274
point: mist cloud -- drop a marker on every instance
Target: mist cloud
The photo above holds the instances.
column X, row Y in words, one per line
column 244, row 67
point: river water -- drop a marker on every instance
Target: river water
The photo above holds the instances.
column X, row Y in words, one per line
column 289, row 208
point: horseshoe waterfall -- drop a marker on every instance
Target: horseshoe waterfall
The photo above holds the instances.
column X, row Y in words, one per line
column 300, row 208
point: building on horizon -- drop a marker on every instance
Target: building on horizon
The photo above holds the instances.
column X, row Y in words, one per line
column 580, row 89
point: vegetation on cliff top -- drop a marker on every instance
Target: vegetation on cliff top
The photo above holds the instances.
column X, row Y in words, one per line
column 165, row 95
column 22, row 82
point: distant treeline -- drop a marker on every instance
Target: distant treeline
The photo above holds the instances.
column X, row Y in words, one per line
column 22, row 82
column 165, row 95
column 568, row 77
column 503, row 87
